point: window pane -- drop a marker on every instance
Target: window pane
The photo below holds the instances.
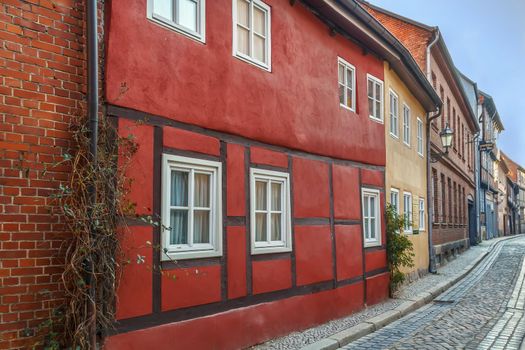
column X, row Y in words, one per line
column 349, row 78
column 201, row 226
column 370, row 88
column 276, row 227
column 349, row 102
column 366, row 206
column 378, row 91
column 179, row 227
column 260, row 195
column 202, row 190
column 259, row 48
column 243, row 41
column 370, row 106
column 378, row 110
column 367, row 231
column 341, row 73
column 188, row 14
column 276, row 196
column 179, row 188
column 372, row 228
column 259, row 23
column 163, row 8
column 260, row 227
column 341, row 94
column 372, row 207
column 243, row 13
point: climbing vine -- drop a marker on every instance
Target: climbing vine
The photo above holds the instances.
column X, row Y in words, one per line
column 92, row 254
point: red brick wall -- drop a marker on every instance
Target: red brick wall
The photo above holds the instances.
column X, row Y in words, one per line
column 415, row 39
column 41, row 88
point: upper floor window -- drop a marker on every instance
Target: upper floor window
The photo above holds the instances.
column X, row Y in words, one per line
column 421, row 214
column 251, row 32
column 371, row 217
column 419, row 137
column 346, row 74
column 394, row 114
column 394, row 199
column 406, row 125
column 191, row 207
column 270, row 211
column 375, row 98
column 184, row 16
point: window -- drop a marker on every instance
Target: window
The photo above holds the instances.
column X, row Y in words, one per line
column 394, row 199
column 346, row 74
column 191, row 208
column 252, row 32
column 394, row 114
column 419, row 137
column 270, row 211
column 406, row 125
column 421, row 214
column 184, row 16
column 375, row 98
column 407, row 201
column 371, row 217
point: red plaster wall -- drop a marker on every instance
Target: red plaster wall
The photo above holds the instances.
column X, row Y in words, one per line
column 375, row 260
column 346, row 191
column 349, row 243
column 235, row 176
column 236, row 262
column 295, row 105
column 377, row 288
column 141, row 188
column 279, row 317
column 310, row 180
column 265, row 156
column 313, row 254
column 190, row 286
column 135, row 290
column 372, row 177
column 190, row 141
column 271, row 275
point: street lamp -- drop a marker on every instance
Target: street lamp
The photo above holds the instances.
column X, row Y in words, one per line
column 446, row 137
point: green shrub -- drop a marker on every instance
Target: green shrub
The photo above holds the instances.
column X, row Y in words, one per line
column 399, row 249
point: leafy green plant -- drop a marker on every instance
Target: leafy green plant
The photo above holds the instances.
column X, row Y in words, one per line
column 399, row 249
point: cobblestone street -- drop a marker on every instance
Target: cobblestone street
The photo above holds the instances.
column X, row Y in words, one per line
column 485, row 310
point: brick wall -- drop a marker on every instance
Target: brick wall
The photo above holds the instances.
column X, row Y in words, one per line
column 41, row 87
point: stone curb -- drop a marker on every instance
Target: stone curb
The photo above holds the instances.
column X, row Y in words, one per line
column 375, row 323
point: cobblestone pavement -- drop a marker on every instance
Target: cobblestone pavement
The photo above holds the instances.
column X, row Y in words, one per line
column 485, row 310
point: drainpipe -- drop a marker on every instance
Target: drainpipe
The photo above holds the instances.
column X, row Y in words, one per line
column 92, row 111
column 430, row 202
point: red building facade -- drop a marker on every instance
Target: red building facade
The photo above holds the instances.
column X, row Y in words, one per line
column 194, row 106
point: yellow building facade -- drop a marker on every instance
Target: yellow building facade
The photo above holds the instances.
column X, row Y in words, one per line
column 406, row 180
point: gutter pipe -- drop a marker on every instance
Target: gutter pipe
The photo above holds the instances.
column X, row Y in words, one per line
column 92, row 111
column 430, row 202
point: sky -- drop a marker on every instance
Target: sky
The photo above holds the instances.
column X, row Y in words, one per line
column 486, row 40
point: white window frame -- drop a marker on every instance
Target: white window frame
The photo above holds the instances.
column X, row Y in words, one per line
column 421, row 214
column 406, row 125
column 381, row 100
column 420, row 143
column 285, row 245
column 396, row 204
column 409, row 218
column 370, row 192
column 393, row 116
column 247, row 58
column 200, row 35
column 190, row 250
column 347, row 66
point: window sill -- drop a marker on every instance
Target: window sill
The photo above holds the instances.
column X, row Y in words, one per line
column 377, row 120
column 174, row 256
column 347, row 108
column 394, row 136
column 247, row 59
column 270, row 250
column 178, row 29
column 372, row 244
